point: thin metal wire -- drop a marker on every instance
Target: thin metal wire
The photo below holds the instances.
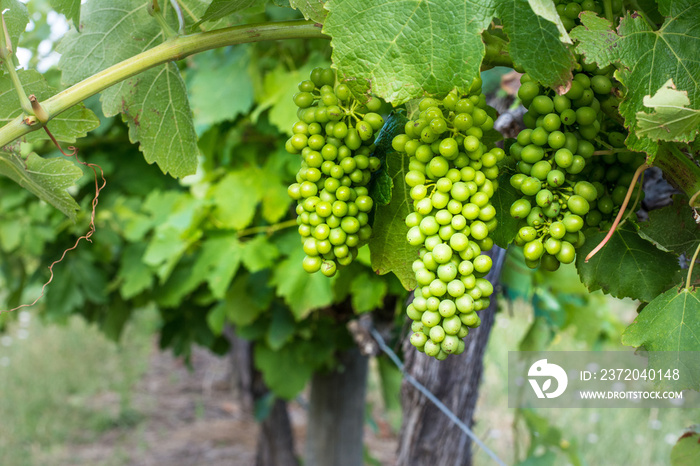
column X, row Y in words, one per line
column 428, row 394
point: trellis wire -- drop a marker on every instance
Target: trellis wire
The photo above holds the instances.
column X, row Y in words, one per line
column 429, row 395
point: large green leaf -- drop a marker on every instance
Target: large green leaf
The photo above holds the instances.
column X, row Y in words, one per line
column 221, row 8
column 69, row 125
column 535, row 41
column 410, row 47
column 673, row 227
column 627, row 266
column 671, row 120
column 70, row 8
column 367, row 292
column 134, row 275
column 669, row 329
column 671, row 322
column 282, row 327
column 277, row 91
column 388, row 245
column 48, row 179
column 303, row 292
column 686, row 452
column 16, row 19
column 154, row 103
column 236, row 197
column 218, row 262
column 287, row 370
column 259, row 254
column 311, row 9
column 241, row 304
column 649, row 57
column 212, row 100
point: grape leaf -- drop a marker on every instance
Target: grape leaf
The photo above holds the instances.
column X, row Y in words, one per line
column 134, row 275
column 381, row 183
column 627, row 266
column 242, row 307
column 213, row 102
column 367, row 292
column 218, row 262
column 311, row 9
column 534, row 42
column 282, row 327
column 385, row 42
column 221, row 8
column 547, row 10
column 69, row 8
column 47, row 179
column 259, row 254
column 16, row 19
column 67, row 126
column 277, row 91
column 173, row 235
column 288, row 370
column 236, row 197
column 649, row 57
column 686, row 452
column 154, row 103
column 672, row 120
column 303, row 292
column 650, row 8
column 216, row 319
column 673, row 227
column 388, row 246
column 668, row 328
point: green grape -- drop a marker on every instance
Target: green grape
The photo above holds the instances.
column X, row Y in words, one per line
column 563, row 185
column 452, row 177
column 334, row 137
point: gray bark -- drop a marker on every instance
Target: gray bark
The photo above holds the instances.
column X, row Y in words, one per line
column 275, row 438
column 337, row 414
column 427, row 436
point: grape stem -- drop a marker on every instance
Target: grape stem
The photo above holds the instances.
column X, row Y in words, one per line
column 170, row 50
column 610, row 152
column 6, row 58
column 180, row 17
column 608, row 10
column 690, row 268
column 691, row 202
column 636, row 176
column 636, row 200
column 268, row 229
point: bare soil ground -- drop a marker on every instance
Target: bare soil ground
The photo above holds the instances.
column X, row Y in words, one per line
column 186, row 417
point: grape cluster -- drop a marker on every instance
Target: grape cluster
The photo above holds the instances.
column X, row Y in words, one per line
column 573, row 170
column 335, row 136
column 452, row 179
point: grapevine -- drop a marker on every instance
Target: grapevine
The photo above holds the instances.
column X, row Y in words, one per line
column 452, row 175
column 335, row 136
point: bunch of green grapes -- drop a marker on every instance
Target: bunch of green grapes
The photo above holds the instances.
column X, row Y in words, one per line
column 335, row 136
column 452, row 176
column 572, row 167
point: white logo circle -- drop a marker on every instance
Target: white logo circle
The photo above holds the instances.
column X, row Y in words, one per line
column 542, row 368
